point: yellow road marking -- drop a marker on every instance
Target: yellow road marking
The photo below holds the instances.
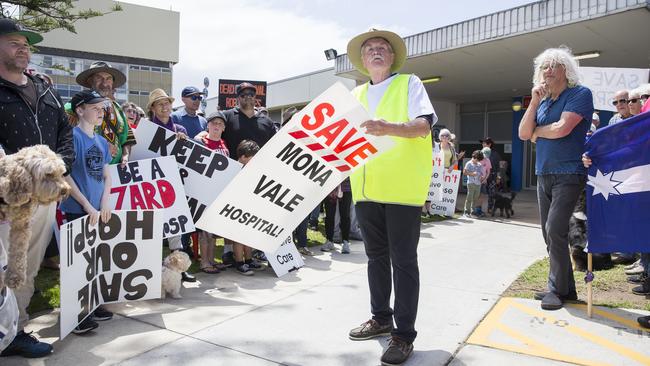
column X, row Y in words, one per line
column 492, row 321
column 611, row 316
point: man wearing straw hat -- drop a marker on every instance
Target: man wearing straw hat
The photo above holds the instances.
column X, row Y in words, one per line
column 390, row 190
column 104, row 79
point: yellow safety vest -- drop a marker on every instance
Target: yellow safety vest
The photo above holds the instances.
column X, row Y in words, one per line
column 402, row 174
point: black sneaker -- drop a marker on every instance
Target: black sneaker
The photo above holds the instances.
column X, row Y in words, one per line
column 551, row 302
column 370, row 329
column 637, row 278
column 255, row 265
column 644, row 321
column 397, row 353
column 260, row 256
column 26, row 345
column 243, row 269
column 186, row 277
column 643, row 289
column 100, row 314
column 86, row 326
column 228, row 259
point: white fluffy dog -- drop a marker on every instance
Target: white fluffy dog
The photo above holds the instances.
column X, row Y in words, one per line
column 173, row 265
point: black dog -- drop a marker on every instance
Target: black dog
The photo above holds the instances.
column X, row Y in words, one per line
column 503, row 202
column 578, row 240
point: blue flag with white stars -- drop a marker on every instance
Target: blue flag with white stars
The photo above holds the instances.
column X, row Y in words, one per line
column 618, row 187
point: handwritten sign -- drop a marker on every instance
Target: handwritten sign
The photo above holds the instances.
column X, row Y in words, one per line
column 204, row 173
column 110, row 262
column 604, row 82
column 152, row 184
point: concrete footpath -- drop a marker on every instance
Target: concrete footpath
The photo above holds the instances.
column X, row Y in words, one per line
column 304, row 317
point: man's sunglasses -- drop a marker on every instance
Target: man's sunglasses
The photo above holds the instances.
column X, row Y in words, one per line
column 247, row 93
column 624, row 101
column 196, row 97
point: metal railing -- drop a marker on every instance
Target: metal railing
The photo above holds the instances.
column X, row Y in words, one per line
column 506, row 23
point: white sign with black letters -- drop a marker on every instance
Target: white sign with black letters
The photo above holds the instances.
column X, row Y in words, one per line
column 110, row 262
column 286, row 259
column 204, row 172
column 446, row 205
column 152, row 184
column 604, row 82
column 435, row 186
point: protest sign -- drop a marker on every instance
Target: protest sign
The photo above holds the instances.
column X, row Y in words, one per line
column 286, row 258
column 435, row 186
column 604, row 82
column 204, row 173
column 446, row 204
column 110, row 262
column 152, row 184
column 228, row 93
column 294, row 171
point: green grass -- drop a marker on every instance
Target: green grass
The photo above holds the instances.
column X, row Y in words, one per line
column 610, row 287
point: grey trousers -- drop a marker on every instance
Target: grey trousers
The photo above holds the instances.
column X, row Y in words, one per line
column 557, row 195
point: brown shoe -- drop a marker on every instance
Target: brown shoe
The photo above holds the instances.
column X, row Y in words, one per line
column 370, row 329
column 397, row 353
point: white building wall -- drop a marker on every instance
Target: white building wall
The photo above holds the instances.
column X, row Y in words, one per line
column 136, row 31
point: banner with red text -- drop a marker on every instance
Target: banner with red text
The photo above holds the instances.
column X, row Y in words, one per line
column 294, row 171
column 152, row 184
column 435, row 186
column 445, row 205
column 204, row 173
column 110, row 262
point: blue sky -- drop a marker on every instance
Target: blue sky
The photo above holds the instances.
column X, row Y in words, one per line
column 276, row 39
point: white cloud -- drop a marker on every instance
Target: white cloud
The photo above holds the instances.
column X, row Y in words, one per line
column 243, row 40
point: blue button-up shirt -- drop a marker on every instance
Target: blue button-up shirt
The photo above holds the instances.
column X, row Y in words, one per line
column 193, row 124
column 564, row 155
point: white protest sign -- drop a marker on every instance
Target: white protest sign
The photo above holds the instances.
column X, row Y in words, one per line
column 435, row 186
column 604, row 82
column 294, row 171
column 204, row 172
column 446, row 205
column 286, row 258
column 107, row 263
column 152, row 184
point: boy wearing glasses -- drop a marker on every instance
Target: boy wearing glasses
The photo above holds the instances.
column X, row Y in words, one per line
column 187, row 116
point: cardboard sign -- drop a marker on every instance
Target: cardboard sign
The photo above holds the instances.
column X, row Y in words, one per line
column 152, row 184
column 604, row 82
column 204, row 173
column 228, row 93
column 286, row 258
column 108, row 263
column 446, row 205
column 294, row 171
column 435, row 186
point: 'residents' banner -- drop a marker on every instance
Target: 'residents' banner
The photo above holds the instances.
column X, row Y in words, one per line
column 152, row 184
column 294, row 171
column 204, row 172
column 110, row 262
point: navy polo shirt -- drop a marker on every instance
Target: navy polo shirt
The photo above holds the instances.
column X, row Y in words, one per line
column 193, row 124
column 564, row 155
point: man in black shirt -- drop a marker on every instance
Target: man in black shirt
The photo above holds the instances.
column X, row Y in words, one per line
column 243, row 123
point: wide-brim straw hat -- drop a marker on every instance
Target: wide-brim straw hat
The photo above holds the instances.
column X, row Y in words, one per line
column 156, row 95
column 83, row 78
column 396, row 42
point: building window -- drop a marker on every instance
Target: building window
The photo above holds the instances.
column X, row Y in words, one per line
column 47, row 61
column 167, row 70
column 144, row 68
column 134, row 67
column 134, row 92
column 156, row 69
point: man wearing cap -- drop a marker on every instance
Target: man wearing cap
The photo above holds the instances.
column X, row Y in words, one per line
column 244, row 123
column 187, row 116
column 104, row 79
column 32, row 113
column 390, row 190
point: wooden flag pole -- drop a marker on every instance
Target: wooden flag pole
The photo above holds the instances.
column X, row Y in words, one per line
column 589, row 285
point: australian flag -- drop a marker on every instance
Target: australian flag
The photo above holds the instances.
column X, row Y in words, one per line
column 618, row 187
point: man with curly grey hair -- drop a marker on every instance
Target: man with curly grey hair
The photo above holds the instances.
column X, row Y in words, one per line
column 558, row 119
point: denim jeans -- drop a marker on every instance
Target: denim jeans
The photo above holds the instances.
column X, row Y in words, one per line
column 557, row 195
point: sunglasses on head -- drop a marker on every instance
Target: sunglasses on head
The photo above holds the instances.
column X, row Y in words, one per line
column 633, row 100
column 196, row 97
column 247, row 93
column 619, row 101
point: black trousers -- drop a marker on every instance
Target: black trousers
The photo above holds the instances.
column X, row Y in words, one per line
column 391, row 234
column 344, row 212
